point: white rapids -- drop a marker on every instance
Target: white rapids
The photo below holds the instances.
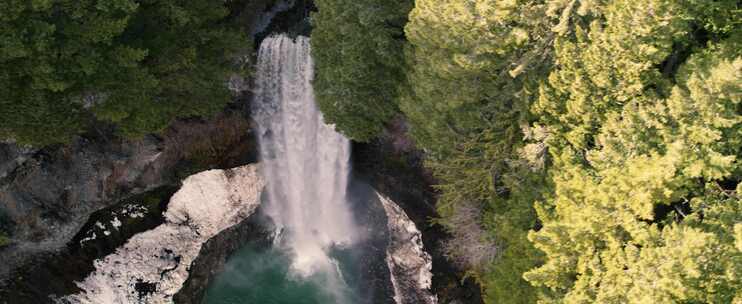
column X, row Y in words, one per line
column 306, row 161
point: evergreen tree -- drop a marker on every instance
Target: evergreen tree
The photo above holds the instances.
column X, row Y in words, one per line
column 139, row 64
column 611, row 129
column 475, row 70
column 358, row 52
column 636, row 135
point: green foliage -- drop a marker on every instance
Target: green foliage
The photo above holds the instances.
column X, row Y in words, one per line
column 629, row 137
column 510, row 220
column 611, row 130
column 138, row 64
column 475, row 69
column 357, row 48
column 4, row 240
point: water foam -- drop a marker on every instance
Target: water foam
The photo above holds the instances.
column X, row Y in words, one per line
column 306, row 161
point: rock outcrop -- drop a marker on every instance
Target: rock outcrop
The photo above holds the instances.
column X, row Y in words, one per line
column 410, row 266
column 393, row 166
column 255, row 231
column 152, row 266
column 46, row 195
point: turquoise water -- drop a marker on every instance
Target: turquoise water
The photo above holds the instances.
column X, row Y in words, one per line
column 263, row 276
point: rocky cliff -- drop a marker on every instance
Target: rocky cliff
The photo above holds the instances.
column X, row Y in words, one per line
column 47, row 194
column 392, row 165
column 152, row 266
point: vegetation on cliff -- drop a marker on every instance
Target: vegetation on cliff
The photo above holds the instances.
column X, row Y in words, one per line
column 586, row 151
column 138, row 64
column 357, row 49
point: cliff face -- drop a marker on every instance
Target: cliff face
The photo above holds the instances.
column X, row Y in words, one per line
column 47, row 195
column 394, row 167
column 152, row 266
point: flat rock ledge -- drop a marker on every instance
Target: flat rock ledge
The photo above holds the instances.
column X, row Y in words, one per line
column 152, row 266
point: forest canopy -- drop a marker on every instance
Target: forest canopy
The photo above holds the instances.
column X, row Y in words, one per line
column 137, row 64
column 586, row 151
column 357, row 49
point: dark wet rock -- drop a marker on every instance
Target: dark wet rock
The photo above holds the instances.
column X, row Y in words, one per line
column 288, row 16
column 12, row 156
column 394, row 167
column 371, row 218
column 55, row 273
column 47, row 198
column 255, row 231
column 410, row 265
column 145, row 288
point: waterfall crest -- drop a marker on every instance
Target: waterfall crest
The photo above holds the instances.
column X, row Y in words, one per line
column 305, row 161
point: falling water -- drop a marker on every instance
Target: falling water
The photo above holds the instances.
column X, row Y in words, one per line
column 305, row 160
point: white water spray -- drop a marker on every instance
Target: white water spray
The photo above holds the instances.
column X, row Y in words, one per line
column 305, row 160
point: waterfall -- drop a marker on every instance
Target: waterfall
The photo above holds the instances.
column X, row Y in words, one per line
column 305, row 161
